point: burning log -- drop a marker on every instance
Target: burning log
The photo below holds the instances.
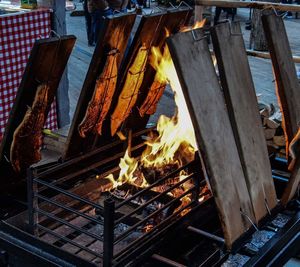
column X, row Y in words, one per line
column 100, row 103
column 130, row 90
column 27, row 138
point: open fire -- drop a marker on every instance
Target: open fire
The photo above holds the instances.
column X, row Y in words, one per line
column 170, row 147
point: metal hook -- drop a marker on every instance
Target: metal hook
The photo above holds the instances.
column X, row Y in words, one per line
column 267, row 206
column 270, row 7
column 249, row 219
column 156, row 8
column 197, row 39
column 183, row 3
column 116, row 12
column 172, row 5
column 55, row 33
column 6, row 158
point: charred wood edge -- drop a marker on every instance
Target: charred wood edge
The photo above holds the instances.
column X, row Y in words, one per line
column 18, row 243
column 248, row 4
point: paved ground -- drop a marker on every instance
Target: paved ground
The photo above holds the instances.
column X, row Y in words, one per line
column 261, row 68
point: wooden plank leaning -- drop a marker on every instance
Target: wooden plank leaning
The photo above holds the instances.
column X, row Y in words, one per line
column 287, row 89
column 196, row 73
column 244, row 115
column 35, row 94
column 113, row 36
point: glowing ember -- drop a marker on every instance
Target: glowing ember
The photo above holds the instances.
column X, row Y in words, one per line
column 173, row 145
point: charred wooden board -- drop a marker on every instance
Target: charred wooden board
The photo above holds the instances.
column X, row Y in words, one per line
column 147, row 34
column 192, row 60
column 244, row 115
column 151, row 32
column 287, row 87
column 114, row 34
column 172, row 22
column 46, row 64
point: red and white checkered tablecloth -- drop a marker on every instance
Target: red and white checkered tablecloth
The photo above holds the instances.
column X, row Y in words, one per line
column 17, row 35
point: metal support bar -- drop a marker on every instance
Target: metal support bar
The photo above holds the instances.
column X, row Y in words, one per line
column 167, row 261
column 31, row 201
column 108, row 246
column 206, row 234
column 248, row 4
column 153, row 199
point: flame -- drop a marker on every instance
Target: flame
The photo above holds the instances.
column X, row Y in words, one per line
column 176, row 132
column 173, row 144
column 197, row 25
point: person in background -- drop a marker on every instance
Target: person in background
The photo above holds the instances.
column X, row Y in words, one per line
column 100, row 9
column 88, row 24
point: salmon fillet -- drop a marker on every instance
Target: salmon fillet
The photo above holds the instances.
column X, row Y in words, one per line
column 129, row 93
column 27, row 138
column 101, row 100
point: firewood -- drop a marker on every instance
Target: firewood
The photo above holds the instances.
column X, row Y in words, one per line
column 271, row 123
column 271, row 143
column 277, row 116
column 269, row 133
column 279, row 140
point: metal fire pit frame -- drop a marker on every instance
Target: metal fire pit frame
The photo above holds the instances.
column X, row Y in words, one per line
column 48, row 199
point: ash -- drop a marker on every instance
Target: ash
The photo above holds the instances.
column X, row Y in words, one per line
column 281, row 220
column 259, row 239
column 236, row 260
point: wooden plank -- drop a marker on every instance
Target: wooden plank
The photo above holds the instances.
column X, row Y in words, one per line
column 293, row 184
column 173, row 21
column 266, row 55
column 147, row 34
column 192, row 60
column 287, row 86
column 114, row 34
column 46, row 64
column 248, row 4
column 244, row 115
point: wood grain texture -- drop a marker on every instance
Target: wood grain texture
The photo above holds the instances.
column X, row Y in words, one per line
column 114, row 34
column 249, row 4
column 46, row 64
column 287, row 87
column 244, row 115
column 292, row 186
column 191, row 57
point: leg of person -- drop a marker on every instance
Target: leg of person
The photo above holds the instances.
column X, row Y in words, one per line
column 217, row 14
column 88, row 23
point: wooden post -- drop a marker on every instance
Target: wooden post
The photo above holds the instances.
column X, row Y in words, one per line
column 257, row 37
column 62, row 100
